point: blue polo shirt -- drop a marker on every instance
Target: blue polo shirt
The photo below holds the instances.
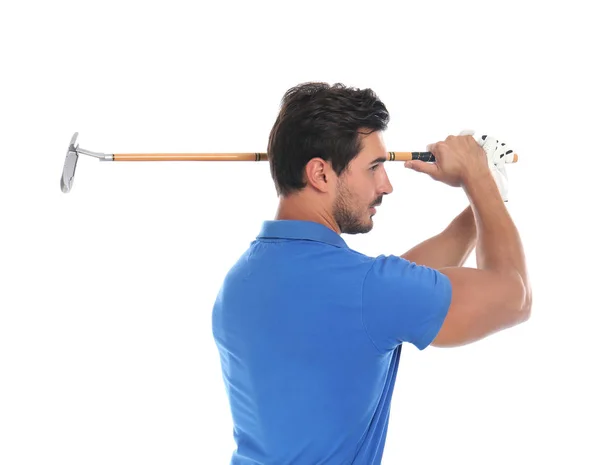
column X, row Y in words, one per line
column 309, row 334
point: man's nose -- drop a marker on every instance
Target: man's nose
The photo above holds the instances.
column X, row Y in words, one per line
column 387, row 187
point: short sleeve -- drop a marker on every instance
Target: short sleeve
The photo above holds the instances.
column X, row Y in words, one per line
column 404, row 302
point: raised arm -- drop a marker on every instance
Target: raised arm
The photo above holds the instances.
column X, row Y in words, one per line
column 497, row 294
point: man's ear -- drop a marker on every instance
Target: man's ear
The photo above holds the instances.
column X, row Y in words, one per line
column 319, row 174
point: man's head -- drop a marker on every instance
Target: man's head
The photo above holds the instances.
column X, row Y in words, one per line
column 326, row 155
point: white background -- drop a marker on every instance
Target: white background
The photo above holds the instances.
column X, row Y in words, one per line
column 106, row 350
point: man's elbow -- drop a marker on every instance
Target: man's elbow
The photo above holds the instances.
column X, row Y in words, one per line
column 524, row 313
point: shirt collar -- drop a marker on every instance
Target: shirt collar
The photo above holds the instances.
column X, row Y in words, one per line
column 300, row 229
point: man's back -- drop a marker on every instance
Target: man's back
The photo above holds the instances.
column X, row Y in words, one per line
column 309, row 334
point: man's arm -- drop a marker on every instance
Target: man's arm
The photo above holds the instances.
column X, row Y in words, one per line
column 451, row 247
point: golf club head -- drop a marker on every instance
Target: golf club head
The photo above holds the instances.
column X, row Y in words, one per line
column 66, row 180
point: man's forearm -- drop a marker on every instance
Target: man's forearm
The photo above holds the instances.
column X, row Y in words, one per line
column 451, row 247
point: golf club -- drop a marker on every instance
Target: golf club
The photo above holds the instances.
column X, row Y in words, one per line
column 73, row 152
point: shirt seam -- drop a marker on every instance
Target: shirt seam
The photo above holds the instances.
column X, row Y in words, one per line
column 362, row 305
column 277, row 238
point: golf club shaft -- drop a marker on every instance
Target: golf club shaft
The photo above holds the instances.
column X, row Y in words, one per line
column 258, row 156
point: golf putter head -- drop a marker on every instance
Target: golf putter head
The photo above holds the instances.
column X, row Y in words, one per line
column 66, row 181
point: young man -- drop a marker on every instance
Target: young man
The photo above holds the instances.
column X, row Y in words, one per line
column 309, row 331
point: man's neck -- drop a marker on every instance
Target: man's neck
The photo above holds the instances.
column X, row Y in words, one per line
column 295, row 208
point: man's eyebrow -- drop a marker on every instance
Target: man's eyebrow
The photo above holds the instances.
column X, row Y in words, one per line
column 379, row 160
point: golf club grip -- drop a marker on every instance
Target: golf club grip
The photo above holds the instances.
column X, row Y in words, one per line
column 257, row 156
column 423, row 156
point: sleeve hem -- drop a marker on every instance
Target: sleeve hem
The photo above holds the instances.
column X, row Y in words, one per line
column 444, row 308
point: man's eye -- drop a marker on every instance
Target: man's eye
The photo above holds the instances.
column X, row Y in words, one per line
column 373, row 167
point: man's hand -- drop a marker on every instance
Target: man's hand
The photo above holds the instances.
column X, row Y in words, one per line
column 457, row 159
column 496, row 153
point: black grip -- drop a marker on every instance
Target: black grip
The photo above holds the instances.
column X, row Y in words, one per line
column 423, row 156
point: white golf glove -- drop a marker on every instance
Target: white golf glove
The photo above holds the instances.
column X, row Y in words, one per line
column 497, row 154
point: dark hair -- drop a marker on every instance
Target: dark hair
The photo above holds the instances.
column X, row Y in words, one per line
column 319, row 120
